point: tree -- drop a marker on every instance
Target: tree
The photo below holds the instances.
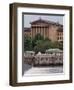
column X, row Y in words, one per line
column 61, row 45
column 57, row 45
column 47, row 39
column 39, row 37
column 27, row 43
column 36, row 38
column 41, row 46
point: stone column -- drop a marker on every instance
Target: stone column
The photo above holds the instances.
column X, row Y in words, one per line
column 39, row 29
column 45, row 32
column 36, row 29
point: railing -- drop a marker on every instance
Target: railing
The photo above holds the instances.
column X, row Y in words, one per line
column 44, row 60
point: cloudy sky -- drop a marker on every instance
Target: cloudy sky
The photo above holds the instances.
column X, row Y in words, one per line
column 29, row 18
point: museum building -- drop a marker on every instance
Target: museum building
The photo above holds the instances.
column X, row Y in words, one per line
column 48, row 29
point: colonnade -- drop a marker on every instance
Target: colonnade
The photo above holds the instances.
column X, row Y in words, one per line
column 39, row 29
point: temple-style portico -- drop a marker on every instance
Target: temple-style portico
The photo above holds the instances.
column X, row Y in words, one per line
column 47, row 29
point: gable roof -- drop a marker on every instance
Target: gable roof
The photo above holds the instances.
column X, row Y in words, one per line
column 46, row 22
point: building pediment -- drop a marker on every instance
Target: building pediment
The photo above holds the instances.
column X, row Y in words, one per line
column 44, row 22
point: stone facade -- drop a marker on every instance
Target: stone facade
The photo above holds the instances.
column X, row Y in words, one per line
column 27, row 31
column 48, row 29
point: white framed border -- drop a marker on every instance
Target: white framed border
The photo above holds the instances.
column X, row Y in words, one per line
column 66, row 37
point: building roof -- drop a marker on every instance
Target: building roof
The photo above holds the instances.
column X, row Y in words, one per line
column 27, row 29
column 45, row 21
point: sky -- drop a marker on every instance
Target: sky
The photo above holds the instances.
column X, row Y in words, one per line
column 29, row 18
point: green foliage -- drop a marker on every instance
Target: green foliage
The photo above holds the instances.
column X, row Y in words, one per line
column 36, row 38
column 27, row 43
column 39, row 37
column 57, row 45
column 47, row 39
column 61, row 45
column 54, row 45
column 39, row 44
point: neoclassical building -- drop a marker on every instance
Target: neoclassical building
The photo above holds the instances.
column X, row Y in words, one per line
column 48, row 29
